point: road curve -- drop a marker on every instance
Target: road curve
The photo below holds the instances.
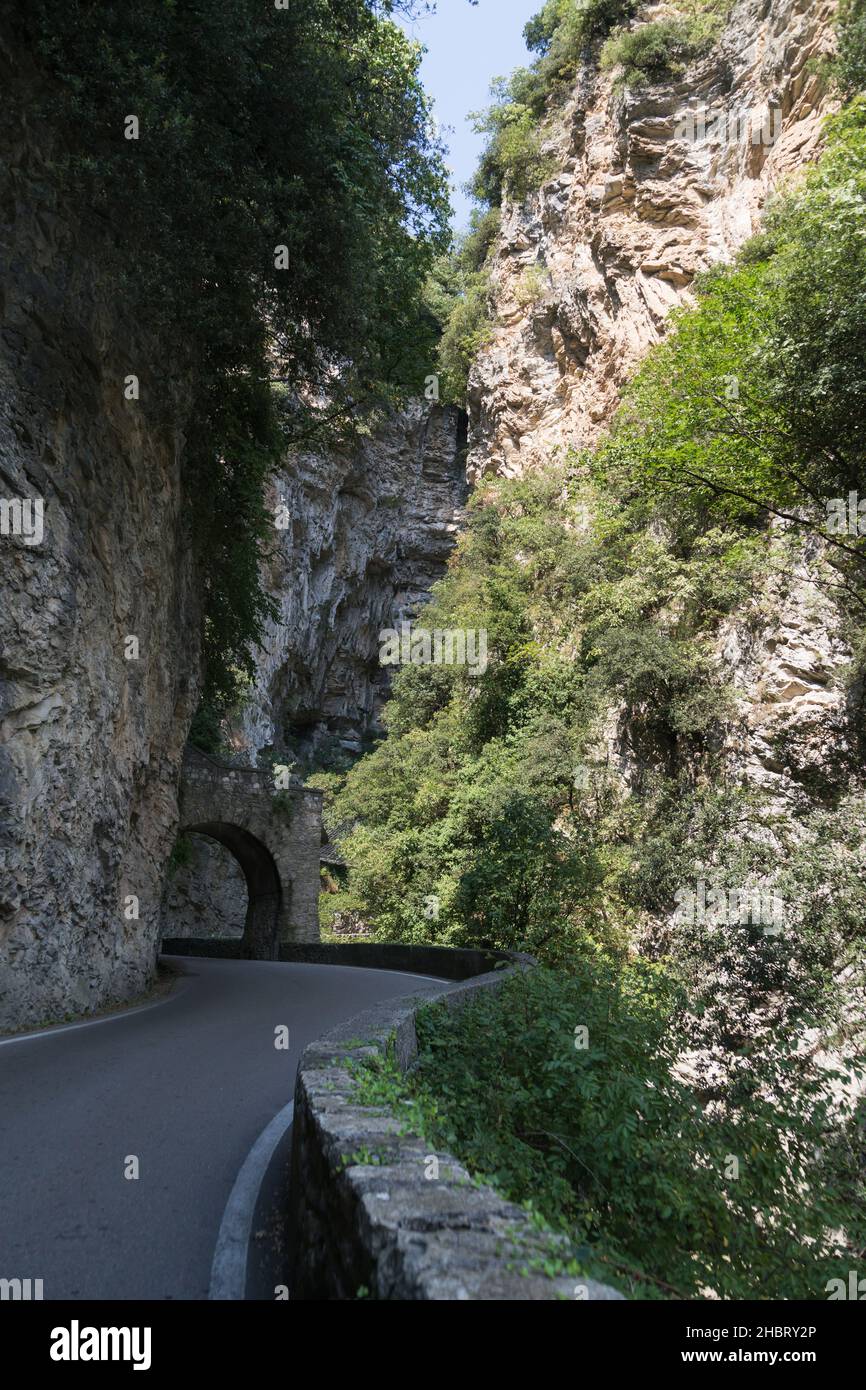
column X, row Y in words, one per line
column 186, row 1087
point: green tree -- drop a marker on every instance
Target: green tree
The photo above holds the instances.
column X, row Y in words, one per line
column 754, row 404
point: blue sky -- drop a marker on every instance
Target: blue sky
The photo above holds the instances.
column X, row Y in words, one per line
column 467, row 47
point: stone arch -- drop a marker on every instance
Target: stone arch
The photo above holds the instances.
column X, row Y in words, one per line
column 265, row 890
column 275, row 837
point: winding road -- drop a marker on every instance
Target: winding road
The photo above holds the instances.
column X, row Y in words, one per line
column 186, row 1087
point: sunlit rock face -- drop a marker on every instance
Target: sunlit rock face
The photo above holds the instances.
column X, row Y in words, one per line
column 651, row 186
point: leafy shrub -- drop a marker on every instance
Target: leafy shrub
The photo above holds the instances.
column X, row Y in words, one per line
column 512, row 164
column 597, row 1133
column 532, row 286
column 458, row 297
column 471, row 800
column 851, row 62
column 467, row 331
column 563, row 27
column 743, row 981
column 476, row 246
column 658, row 50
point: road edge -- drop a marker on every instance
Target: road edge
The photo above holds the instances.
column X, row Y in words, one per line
column 228, row 1278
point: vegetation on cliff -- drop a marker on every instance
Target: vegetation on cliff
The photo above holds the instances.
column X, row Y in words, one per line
column 564, row 35
column 458, row 296
column 601, row 583
column 755, row 401
column 663, row 49
column 491, row 814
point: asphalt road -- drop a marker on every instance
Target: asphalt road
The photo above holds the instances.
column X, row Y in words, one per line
column 185, row 1087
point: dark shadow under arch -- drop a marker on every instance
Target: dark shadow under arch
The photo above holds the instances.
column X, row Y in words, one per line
column 264, row 890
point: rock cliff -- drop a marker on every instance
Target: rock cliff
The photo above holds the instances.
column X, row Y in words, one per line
column 98, row 625
column 652, row 185
column 364, row 533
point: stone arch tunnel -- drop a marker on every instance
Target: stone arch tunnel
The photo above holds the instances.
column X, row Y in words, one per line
column 276, row 839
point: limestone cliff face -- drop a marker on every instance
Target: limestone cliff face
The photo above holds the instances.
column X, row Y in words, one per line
column 369, row 531
column 651, row 186
column 100, row 619
column 90, row 737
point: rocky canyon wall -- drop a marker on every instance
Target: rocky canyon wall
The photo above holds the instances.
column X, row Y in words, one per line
column 652, row 185
column 365, row 532
column 92, row 723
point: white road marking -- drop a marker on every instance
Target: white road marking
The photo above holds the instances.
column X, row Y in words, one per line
column 228, row 1276
column 51, row 1032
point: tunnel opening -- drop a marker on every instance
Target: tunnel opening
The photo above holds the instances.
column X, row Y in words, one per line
column 205, row 892
column 245, row 905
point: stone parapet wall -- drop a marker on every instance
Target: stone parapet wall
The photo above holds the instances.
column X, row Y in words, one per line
column 367, row 1221
column 442, row 962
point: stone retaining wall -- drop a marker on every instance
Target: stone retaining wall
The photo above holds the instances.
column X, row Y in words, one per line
column 445, row 962
column 382, row 1228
